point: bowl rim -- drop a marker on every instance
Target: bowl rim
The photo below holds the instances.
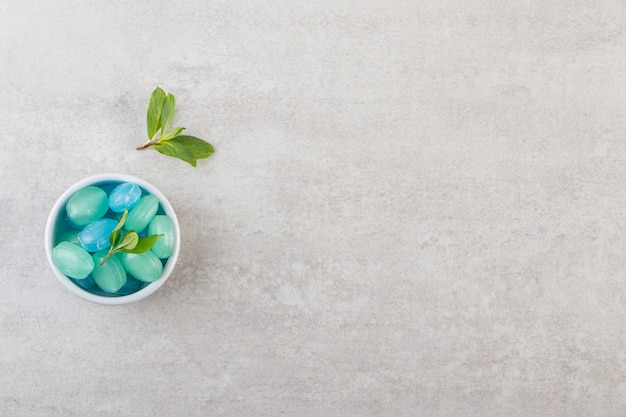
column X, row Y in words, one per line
column 103, row 178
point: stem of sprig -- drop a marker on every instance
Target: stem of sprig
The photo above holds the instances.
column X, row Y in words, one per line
column 106, row 258
column 147, row 145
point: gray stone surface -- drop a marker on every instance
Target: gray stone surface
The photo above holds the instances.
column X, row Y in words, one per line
column 415, row 208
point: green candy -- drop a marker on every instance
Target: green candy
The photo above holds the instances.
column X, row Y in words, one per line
column 162, row 225
column 87, row 205
column 139, row 217
column 72, row 260
column 146, row 267
column 70, row 236
column 111, row 276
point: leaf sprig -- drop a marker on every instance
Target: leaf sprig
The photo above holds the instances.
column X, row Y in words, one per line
column 171, row 142
column 130, row 242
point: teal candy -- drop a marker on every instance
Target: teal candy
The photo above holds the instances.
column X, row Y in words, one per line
column 87, row 205
column 111, row 276
column 140, row 216
column 162, row 225
column 86, row 284
column 132, row 285
column 70, row 236
column 146, row 267
column 72, row 260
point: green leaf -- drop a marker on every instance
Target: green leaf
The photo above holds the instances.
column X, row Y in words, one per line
column 167, row 113
column 171, row 143
column 129, row 241
column 172, row 133
column 198, row 148
column 143, row 245
column 154, row 111
column 175, row 149
column 114, row 237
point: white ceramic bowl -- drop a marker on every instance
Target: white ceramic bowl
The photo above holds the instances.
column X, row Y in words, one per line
column 59, row 208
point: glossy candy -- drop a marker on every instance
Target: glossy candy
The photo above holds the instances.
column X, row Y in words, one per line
column 146, row 267
column 95, row 236
column 86, row 205
column 111, row 276
column 72, row 260
column 86, row 284
column 162, row 225
column 124, row 196
column 70, row 236
column 88, row 227
column 132, row 285
column 140, row 216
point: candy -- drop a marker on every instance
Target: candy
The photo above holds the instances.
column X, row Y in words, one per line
column 86, row 205
column 95, row 236
column 70, row 236
column 146, row 267
column 132, row 285
column 124, row 196
column 72, row 260
column 86, row 284
column 162, row 225
column 90, row 217
column 111, row 276
column 140, row 216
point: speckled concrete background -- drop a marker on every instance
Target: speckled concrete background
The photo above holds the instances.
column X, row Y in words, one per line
column 415, row 208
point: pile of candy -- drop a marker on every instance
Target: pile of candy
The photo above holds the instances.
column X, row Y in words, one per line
column 82, row 239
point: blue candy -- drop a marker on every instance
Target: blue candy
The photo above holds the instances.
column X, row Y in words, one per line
column 95, row 236
column 124, row 196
